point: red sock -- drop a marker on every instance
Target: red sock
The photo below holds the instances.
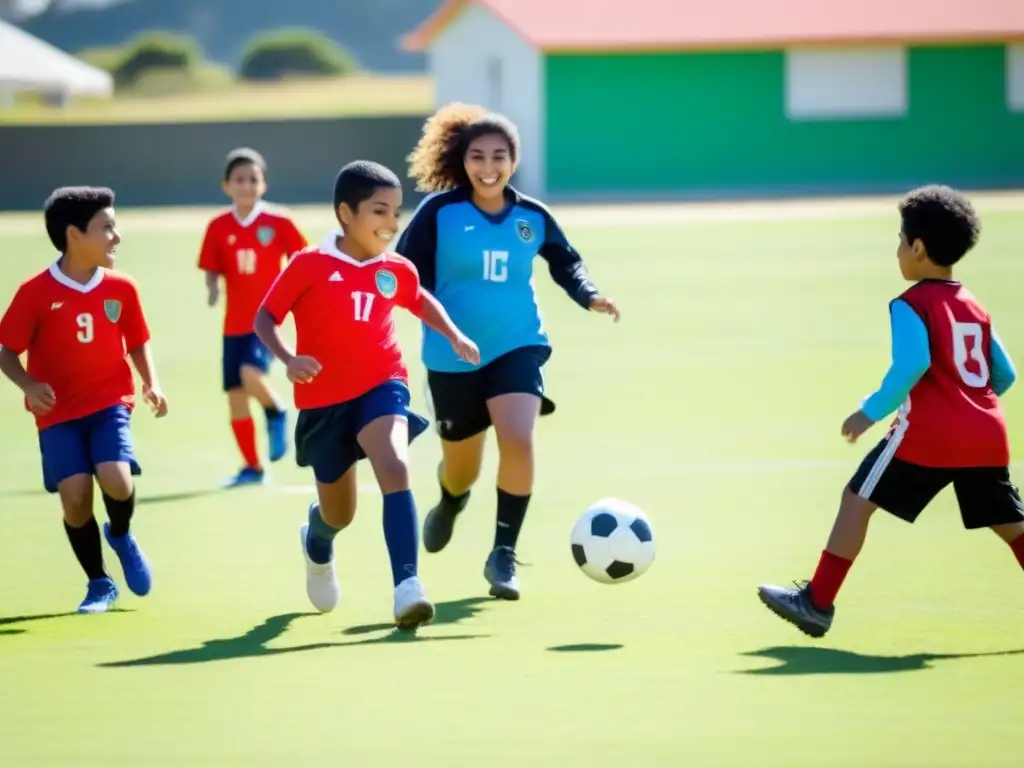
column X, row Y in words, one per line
column 828, row 579
column 245, row 436
column 1017, row 545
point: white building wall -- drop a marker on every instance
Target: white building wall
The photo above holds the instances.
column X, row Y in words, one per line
column 480, row 60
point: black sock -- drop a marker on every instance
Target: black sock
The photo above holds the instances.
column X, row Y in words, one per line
column 273, row 412
column 85, row 542
column 119, row 513
column 452, row 503
column 511, row 512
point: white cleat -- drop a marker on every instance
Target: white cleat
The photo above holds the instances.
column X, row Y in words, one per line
column 412, row 606
column 321, row 580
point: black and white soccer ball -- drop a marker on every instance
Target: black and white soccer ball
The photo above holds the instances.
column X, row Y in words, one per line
column 613, row 541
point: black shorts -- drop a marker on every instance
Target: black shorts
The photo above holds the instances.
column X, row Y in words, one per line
column 460, row 399
column 985, row 494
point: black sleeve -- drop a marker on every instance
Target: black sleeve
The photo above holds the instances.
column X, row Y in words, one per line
column 418, row 243
column 565, row 264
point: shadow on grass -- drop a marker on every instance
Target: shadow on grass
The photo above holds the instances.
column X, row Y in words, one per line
column 253, row 644
column 585, row 647
column 6, row 621
column 803, row 660
column 170, row 498
column 452, row 612
column 25, row 493
column 143, row 500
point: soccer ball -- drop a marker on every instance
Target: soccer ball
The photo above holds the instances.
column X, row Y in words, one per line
column 613, row 542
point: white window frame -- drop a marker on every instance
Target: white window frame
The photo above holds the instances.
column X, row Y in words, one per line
column 1015, row 78
column 846, row 83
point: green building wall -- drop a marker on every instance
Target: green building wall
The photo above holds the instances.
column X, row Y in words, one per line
column 715, row 123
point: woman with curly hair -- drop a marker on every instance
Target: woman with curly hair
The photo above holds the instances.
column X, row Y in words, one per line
column 473, row 240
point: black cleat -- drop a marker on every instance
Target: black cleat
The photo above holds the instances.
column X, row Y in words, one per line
column 796, row 607
column 438, row 527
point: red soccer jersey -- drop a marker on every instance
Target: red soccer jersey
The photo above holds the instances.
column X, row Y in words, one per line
column 952, row 417
column 342, row 310
column 77, row 338
column 249, row 254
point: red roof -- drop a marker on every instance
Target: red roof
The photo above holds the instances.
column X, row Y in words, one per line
column 568, row 25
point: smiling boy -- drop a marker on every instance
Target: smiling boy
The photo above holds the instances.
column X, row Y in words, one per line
column 80, row 321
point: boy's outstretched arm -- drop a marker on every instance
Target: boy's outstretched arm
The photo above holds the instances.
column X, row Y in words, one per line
column 11, row 367
column 1003, row 372
column 212, row 288
column 301, row 368
column 911, row 356
column 142, row 359
column 434, row 315
column 41, row 397
column 265, row 327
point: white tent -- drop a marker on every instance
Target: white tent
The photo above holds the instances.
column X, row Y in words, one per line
column 29, row 64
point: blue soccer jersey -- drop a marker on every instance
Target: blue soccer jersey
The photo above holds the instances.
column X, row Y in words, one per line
column 480, row 267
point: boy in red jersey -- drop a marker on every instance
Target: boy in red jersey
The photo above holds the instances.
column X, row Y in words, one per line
column 248, row 246
column 351, row 385
column 948, row 371
column 79, row 321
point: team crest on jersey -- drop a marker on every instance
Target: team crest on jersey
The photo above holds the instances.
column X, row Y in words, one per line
column 265, row 235
column 112, row 309
column 523, row 228
column 387, row 283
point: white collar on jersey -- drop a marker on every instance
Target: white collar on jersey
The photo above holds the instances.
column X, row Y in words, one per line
column 253, row 214
column 67, row 282
column 330, row 247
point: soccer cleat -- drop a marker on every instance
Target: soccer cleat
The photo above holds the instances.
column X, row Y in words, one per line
column 137, row 574
column 277, row 436
column 412, row 606
column 100, row 597
column 321, row 580
column 438, row 527
column 500, row 571
column 246, row 476
column 796, row 607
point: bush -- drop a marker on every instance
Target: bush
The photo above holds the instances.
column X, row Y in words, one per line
column 276, row 55
column 154, row 52
column 106, row 59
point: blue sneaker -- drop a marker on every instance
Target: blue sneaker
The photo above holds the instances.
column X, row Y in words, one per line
column 277, row 436
column 500, row 571
column 101, row 596
column 246, row 476
column 137, row 575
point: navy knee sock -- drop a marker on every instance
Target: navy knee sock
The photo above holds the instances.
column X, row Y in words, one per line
column 401, row 532
column 320, row 537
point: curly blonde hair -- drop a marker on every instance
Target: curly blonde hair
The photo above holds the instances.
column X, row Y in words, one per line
column 437, row 161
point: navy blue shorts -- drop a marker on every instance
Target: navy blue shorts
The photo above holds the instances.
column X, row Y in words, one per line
column 243, row 350
column 326, row 439
column 460, row 399
column 76, row 447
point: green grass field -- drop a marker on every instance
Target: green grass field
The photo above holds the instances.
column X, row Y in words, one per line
column 748, row 335
column 353, row 96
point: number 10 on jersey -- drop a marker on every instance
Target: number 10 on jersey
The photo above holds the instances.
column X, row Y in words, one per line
column 496, row 266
